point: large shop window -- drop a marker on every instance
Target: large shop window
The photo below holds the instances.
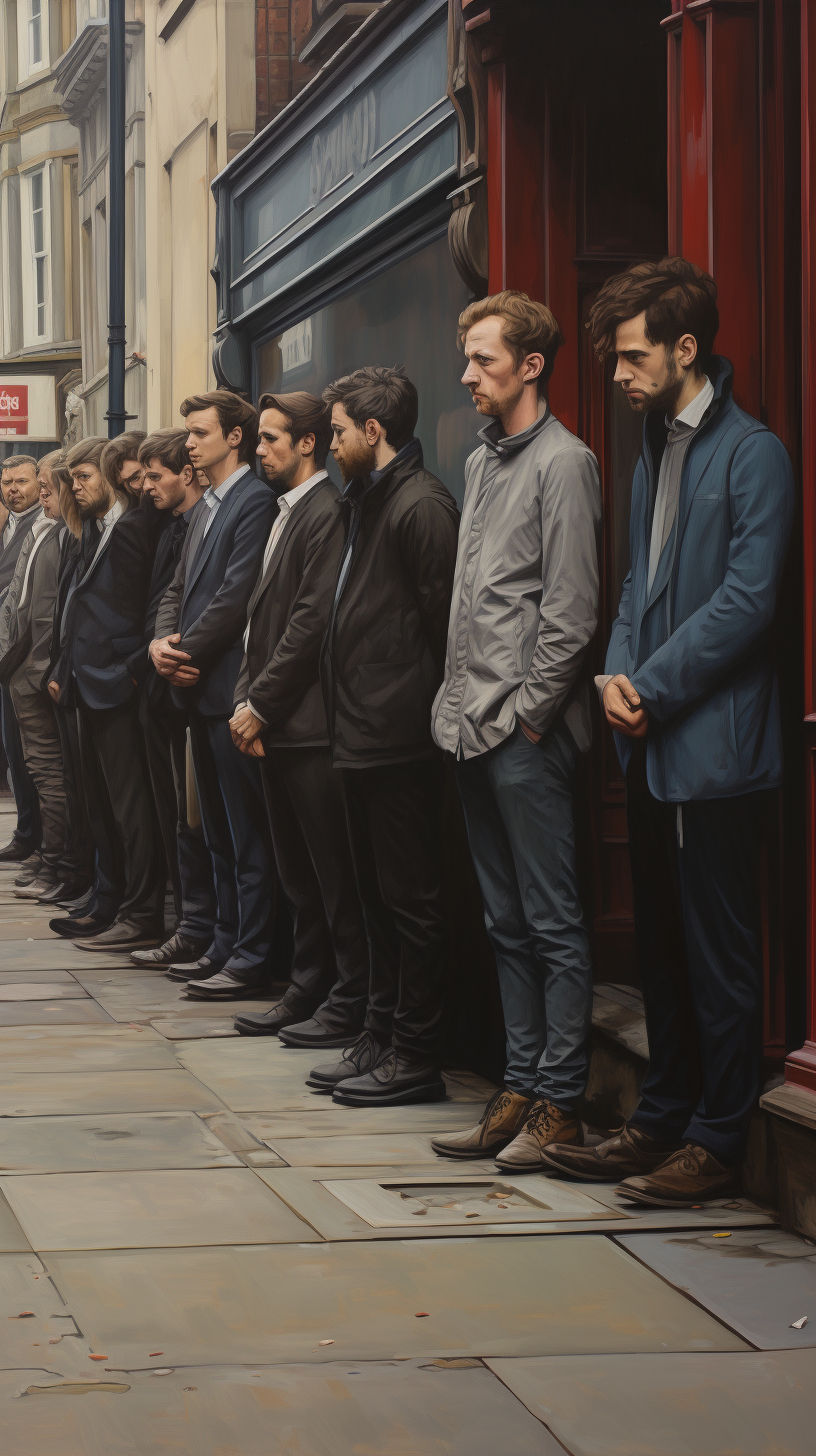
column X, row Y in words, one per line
column 405, row 316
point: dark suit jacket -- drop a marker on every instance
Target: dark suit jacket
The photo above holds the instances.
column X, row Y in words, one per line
column 165, row 564
column 104, row 618
column 207, row 599
column 289, row 612
column 9, row 554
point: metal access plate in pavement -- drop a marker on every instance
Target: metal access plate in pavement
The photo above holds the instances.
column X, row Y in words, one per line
column 466, row 1201
column 758, row 1281
column 110, row 1142
column 459, row 1409
column 275, row 1302
column 150, row 1209
column 747, row 1404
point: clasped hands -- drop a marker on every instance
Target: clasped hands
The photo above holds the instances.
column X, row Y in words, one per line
column 169, row 662
column 246, row 730
column 622, row 707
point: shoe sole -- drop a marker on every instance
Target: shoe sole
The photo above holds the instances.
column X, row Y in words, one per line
column 321, row 1086
column 470, row 1156
column 119, row 947
column 435, row 1092
column 650, row 1201
column 253, row 994
column 330, row 1043
column 243, row 1030
column 593, row 1175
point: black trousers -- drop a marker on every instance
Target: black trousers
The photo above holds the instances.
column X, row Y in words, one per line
column 77, row 865
column 310, row 838
column 120, row 812
column 26, row 798
column 187, row 859
column 394, row 820
column 696, row 883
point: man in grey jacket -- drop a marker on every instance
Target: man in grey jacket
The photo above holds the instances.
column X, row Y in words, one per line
column 514, row 712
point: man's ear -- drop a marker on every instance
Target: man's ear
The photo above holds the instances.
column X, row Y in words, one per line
column 532, row 367
column 685, row 351
column 307, row 444
column 187, row 475
column 235, row 437
column 374, row 432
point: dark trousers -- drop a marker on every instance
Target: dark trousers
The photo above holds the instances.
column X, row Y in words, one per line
column 696, row 883
column 394, row 820
column 39, row 735
column 188, row 862
column 120, row 812
column 236, row 829
column 313, row 855
column 518, row 806
column 78, row 860
column 29, row 827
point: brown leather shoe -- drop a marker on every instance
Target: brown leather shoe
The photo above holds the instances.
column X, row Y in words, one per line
column 545, row 1124
column 626, row 1153
column 504, row 1116
column 691, row 1175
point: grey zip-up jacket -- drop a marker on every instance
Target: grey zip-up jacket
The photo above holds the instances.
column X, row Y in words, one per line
column 525, row 593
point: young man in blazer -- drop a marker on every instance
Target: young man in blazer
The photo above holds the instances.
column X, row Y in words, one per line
column 199, row 649
column 690, row 690
column 101, row 627
column 171, row 487
column 381, row 665
column 280, row 715
column 21, row 494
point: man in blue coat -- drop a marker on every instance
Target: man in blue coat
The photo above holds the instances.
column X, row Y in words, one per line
column 690, row 690
column 199, row 648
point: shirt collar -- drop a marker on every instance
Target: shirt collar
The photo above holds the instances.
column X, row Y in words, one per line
column 693, row 413
column 110, row 517
column 188, row 514
column 403, row 454
column 215, row 494
column 290, row 498
column 18, row 516
column 42, row 523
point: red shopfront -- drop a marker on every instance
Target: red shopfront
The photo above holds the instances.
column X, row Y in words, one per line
column 603, row 134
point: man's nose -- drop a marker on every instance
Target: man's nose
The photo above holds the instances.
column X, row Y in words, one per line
column 622, row 371
column 470, row 375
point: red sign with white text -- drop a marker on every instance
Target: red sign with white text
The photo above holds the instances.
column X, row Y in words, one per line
column 14, row 409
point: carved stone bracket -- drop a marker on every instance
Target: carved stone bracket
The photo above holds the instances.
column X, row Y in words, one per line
column 230, row 358
column 467, row 234
column 467, row 89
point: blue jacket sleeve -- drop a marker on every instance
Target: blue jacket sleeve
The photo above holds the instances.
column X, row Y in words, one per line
column 715, row 638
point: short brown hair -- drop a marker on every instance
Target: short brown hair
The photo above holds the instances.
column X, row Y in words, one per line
column 86, row 452
column 168, row 446
column 676, row 296
column 528, row 327
column 305, row 414
column 116, row 453
column 381, row 394
column 12, row 461
column 233, row 413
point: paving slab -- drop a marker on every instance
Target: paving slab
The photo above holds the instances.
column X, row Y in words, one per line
column 671, row 1405
column 12, row 1238
column 34, row 1095
column 168, row 1209
column 21, row 978
column 431, row 1117
column 108, row 1048
column 274, row 1303
column 371, row 1150
column 110, row 1141
column 414, row 1408
column 53, row 954
column 29, row 990
column 52, row 1013
column 25, row 1289
column 757, row 1281
column 180, row 1028
column 25, row 928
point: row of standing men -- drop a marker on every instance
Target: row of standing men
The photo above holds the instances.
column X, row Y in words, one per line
column 252, row 692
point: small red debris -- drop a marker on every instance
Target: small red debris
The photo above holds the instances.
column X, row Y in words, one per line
column 154, row 1353
column 97, row 1357
column 26, row 1314
column 423, row 1314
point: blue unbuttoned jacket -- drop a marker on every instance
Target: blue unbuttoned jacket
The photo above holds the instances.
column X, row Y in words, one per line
column 698, row 647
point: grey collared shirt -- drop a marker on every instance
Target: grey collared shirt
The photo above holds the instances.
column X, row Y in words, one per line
column 214, row 495
column 681, row 431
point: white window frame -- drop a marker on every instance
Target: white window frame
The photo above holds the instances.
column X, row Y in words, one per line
column 37, row 256
column 30, row 23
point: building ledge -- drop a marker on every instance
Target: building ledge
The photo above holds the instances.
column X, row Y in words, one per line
column 335, row 31
column 796, row 1104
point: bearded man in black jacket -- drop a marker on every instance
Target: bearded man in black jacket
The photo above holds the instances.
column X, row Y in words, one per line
column 382, row 663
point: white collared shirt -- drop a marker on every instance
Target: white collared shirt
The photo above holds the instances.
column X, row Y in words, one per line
column 286, row 502
column 39, row 529
column 214, row 495
column 106, row 523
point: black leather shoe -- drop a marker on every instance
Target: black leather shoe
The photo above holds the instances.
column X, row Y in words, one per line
column 83, row 905
column 84, row 925
column 15, row 851
column 223, row 986
column 355, row 1062
column 178, row 950
column 194, row 970
column 394, row 1080
column 266, row 1023
column 313, row 1033
column 119, row 936
column 37, row 890
column 63, row 894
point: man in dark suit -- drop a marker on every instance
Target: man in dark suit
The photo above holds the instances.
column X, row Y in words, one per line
column 382, row 663
column 199, row 648
column 21, row 492
column 171, row 485
column 102, row 626
column 281, row 716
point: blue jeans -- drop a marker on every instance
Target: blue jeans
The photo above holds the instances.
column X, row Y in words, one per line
column 518, row 807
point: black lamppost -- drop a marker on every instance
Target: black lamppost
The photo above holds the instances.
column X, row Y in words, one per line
column 116, row 415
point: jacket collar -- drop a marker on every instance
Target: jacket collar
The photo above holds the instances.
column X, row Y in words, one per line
column 721, row 374
column 505, row 446
column 222, row 516
column 405, row 463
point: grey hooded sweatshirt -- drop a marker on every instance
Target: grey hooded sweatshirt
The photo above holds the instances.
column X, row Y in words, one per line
column 525, row 593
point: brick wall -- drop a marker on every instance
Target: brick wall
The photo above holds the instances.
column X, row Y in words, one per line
column 281, row 30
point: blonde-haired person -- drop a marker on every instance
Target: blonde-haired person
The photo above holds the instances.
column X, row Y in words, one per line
column 101, row 625
column 513, row 713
